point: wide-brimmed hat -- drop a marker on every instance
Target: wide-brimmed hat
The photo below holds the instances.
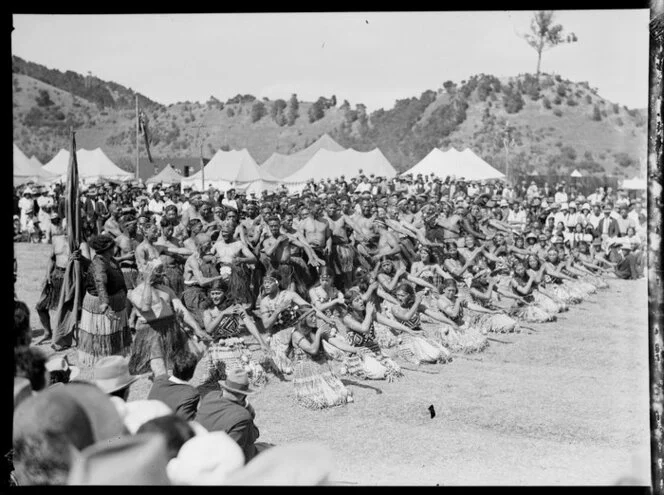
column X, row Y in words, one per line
column 206, row 459
column 531, row 235
column 626, row 244
column 237, row 381
column 585, row 206
column 111, row 373
column 608, row 208
column 130, row 460
column 564, row 206
column 22, row 390
column 60, row 363
column 139, row 412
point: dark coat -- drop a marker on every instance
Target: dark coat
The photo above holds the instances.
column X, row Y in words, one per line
column 614, row 229
column 217, row 413
column 181, row 398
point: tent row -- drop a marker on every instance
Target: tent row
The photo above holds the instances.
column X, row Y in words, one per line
column 323, row 159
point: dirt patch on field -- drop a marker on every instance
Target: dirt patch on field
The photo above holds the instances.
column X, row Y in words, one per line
column 564, row 404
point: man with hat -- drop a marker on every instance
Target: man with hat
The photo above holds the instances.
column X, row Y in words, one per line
column 607, row 228
column 111, row 375
column 55, row 272
column 229, row 411
column 628, row 267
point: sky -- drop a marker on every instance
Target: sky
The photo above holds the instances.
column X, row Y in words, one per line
column 373, row 58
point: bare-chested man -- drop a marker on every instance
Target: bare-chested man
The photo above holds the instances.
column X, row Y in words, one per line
column 343, row 254
column 276, row 254
column 316, row 231
column 251, row 228
column 125, row 252
column 50, row 296
column 147, row 250
column 230, row 256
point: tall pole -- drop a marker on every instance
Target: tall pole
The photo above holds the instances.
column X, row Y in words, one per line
column 137, row 132
column 200, row 153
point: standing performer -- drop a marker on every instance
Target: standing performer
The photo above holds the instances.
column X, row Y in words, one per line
column 127, row 243
column 103, row 329
column 50, row 296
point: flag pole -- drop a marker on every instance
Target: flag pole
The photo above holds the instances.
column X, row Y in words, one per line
column 137, row 131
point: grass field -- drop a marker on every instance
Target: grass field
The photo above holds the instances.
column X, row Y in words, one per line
column 565, row 404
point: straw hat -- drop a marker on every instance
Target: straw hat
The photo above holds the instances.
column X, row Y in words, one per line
column 111, row 373
column 139, row 412
column 130, row 460
column 237, row 381
column 206, row 459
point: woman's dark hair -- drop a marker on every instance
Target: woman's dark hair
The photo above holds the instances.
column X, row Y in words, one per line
column 407, row 288
column 164, row 222
column 274, row 274
column 219, row 284
column 22, row 330
column 184, row 364
column 325, row 270
column 450, row 282
column 176, row 432
column 30, row 363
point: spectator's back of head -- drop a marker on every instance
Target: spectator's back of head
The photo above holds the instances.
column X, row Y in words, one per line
column 184, row 365
column 175, row 430
column 22, row 331
column 46, row 427
column 30, row 363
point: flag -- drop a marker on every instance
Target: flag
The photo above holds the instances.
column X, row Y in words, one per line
column 71, row 295
column 143, row 128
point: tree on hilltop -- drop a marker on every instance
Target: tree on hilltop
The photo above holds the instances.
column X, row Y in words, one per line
column 544, row 35
column 293, row 107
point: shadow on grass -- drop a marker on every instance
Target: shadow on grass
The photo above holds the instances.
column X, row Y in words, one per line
column 346, row 382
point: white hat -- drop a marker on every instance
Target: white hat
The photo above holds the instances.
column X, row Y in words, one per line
column 27, row 190
column 504, row 203
column 206, row 460
column 139, row 412
column 572, row 204
column 585, row 206
column 564, row 206
column 544, row 204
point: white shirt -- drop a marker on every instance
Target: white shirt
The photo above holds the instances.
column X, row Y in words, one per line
column 363, row 186
column 560, row 197
column 594, row 219
column 230, row 203
column 156, row 207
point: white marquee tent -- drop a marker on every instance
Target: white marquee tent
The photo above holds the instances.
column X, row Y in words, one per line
column 464, row 164
column 635, row 184
column 281, row 166
column 331, row 164
column 26, row 170
column 93, row 165
column 236, row 169
column 167, row 175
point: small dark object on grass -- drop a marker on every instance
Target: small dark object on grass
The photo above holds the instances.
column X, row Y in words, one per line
column 432, row 411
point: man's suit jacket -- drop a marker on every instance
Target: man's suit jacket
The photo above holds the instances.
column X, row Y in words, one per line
column 217, row 413
column 181, row 398
column 614, row 230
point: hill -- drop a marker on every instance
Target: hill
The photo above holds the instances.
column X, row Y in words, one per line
column 559, row 126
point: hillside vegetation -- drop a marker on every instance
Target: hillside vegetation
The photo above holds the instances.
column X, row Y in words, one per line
column 558, row 125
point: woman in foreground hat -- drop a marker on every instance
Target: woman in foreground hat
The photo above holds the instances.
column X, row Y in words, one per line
column 103, row 329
